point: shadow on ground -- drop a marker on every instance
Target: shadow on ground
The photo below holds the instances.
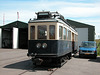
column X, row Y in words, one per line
column 27, row 65
column 90, row 58
column 24, row 65
column 95, row 60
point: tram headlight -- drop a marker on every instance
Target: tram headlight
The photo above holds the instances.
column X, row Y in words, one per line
column 38, row 45
column 44, row 45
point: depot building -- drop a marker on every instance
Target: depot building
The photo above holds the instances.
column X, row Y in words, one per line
column 86, row 32
column 15, row 35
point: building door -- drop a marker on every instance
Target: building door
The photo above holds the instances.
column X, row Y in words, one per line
column 7, row 38
column 82, row 35
column 23, row 38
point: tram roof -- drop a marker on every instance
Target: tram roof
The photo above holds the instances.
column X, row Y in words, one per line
column 52, row 20
column 43, row 20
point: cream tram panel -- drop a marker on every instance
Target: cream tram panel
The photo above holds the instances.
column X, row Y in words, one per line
column 67, row 28
column 47, row 24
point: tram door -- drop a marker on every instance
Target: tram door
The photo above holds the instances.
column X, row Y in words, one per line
column 73, row 42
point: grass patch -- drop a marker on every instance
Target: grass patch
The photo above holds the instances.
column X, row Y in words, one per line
column 98, row 45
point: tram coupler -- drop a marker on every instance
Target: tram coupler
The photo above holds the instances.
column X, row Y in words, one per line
column 37, row 61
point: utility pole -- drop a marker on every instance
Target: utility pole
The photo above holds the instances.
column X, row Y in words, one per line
column 17, row 16
column 3, row 19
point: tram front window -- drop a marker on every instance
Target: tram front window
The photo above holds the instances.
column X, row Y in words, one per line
column 42, row 32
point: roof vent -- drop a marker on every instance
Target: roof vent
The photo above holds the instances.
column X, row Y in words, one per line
column 44, row 15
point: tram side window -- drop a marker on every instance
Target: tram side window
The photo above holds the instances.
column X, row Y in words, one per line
column 32, row 32
column 75, row 37
column 51, row 32
column 64, row 33
column 60, row 32
column 42, row 32
column 69, row 35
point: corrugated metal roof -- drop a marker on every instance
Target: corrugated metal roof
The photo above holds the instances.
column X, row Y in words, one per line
column 17, row 24
column 91, row 28
column 78, row 24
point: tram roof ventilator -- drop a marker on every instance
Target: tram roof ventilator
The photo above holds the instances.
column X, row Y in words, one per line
column 46, row 15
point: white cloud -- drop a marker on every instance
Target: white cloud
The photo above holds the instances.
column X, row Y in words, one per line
column 97, row 33
column 11, row 16
column 67, row 9
column 94, row 22
column 80, row 11
column 97, row 36
column 90, row 21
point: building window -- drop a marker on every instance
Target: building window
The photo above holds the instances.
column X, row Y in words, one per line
column 42, row 32
column 32, row 32
column 60, row 32
column 64, row 33
column 51, row 32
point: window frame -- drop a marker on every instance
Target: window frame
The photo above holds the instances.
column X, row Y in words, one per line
column 60, row 36
column 64, row 33
column 54, row 32
column 69, row 35
column 31, row 33
column 46, row 33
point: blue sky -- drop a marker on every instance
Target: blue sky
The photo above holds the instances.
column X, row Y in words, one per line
column 85, row 11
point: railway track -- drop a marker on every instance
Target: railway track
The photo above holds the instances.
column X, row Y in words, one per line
column 38, row 69
column 9, row 62
column 49, row 70
column 53, row 71
column 29, row 65
column 23, row 72
column 35, row 70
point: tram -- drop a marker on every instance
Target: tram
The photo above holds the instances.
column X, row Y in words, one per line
column 51, row 38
